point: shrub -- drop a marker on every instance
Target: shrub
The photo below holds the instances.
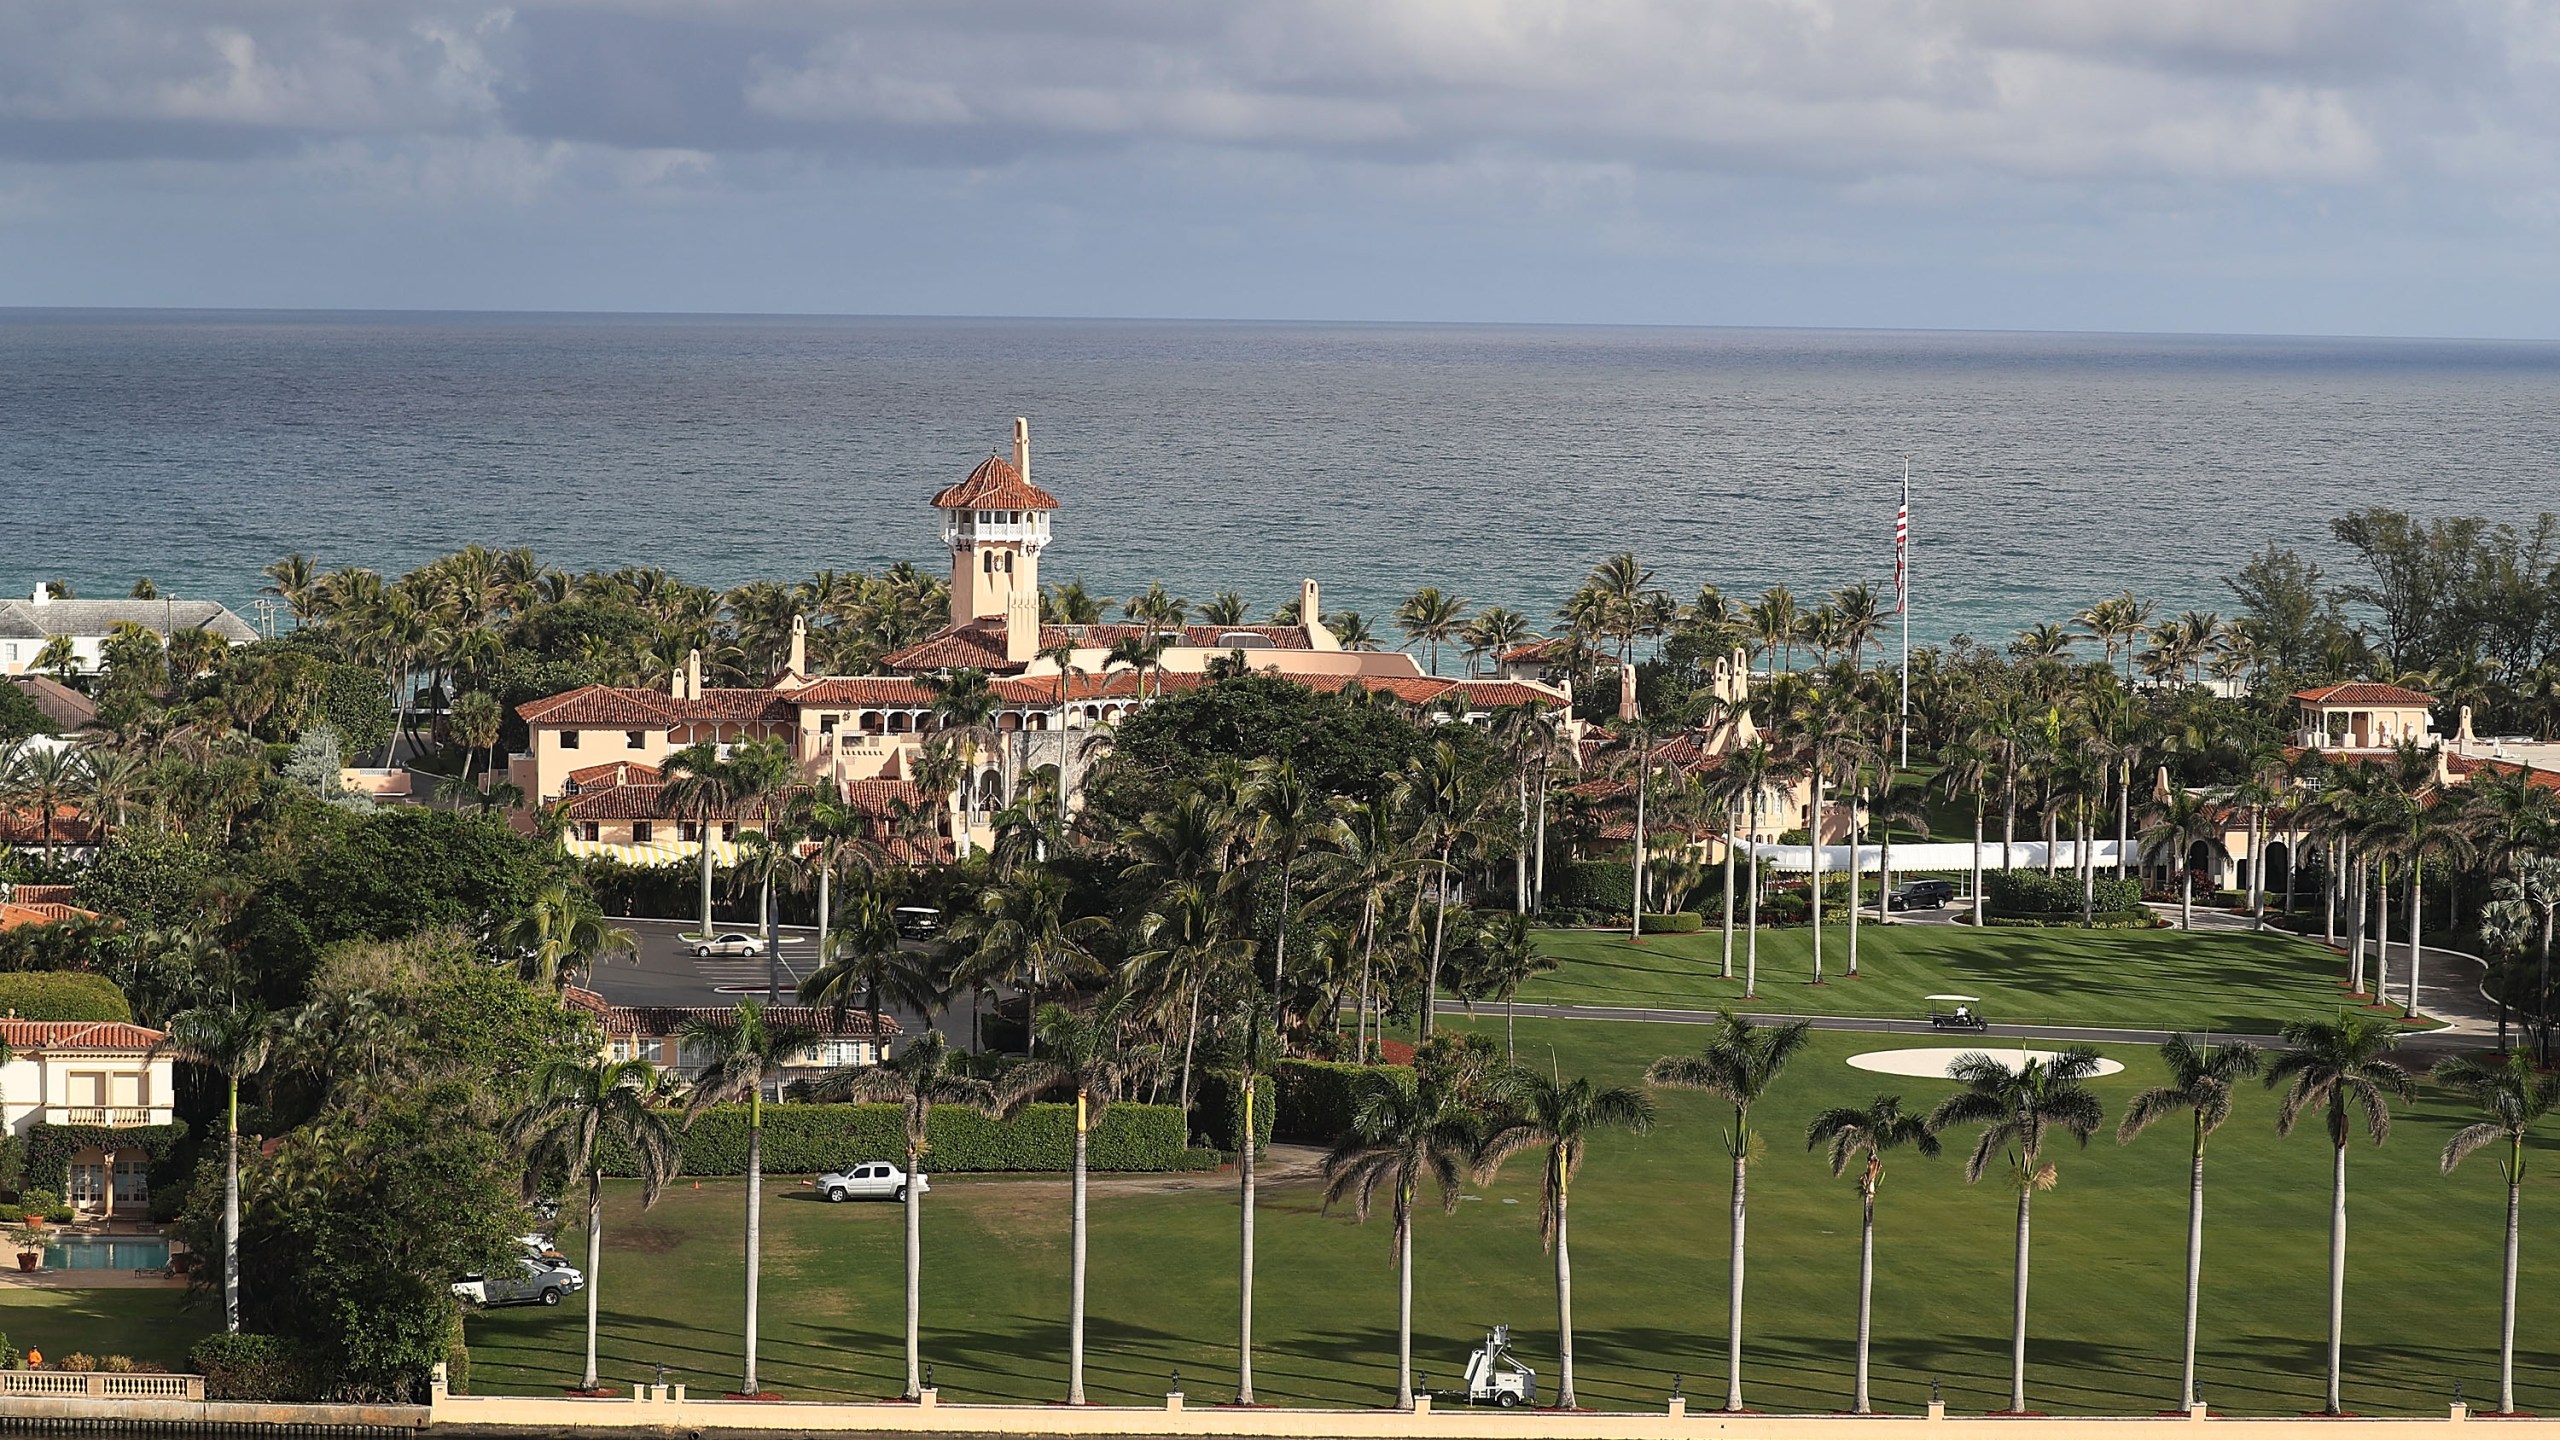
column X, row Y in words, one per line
column 1313, row 1106
column 2103, row 920
column 2032, row 892
column 38, row 1203
column 1217, row 1111
column 252, row 1367
column 1604, row 885
column 1678, row 922
column 811, row 1138
column 62, row 995
column 116, row 1364
column 78, row 1362
column 10, row 1359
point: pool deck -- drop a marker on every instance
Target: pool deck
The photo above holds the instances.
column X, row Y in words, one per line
column 91, row 1280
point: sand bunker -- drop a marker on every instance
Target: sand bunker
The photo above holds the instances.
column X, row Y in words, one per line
column 1932, row 1063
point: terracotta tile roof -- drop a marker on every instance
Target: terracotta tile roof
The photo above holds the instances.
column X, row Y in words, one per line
column 860, row 691
column 879, row 798
column 632, row 707
column 978, row 645
column 1531, row 653
column 619, row 772
column 41, row 894
column 602, row 705
column 1041, row 691
column 65, row 707
column 2465, row 766
column 994, row 485
column 25, row 1035
column 2358, row 692
column 1491, row 694
column 1196, row 637
column 621, row 802
column 26, row 827
column 15, row 913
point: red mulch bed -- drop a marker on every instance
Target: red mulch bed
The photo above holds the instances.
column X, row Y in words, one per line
column 601, row 1392
column 759, row 1395
column 1395, row 1052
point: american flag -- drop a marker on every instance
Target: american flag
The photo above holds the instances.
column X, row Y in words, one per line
column 1902, row 547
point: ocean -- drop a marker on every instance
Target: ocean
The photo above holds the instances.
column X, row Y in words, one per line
column 2047, row 470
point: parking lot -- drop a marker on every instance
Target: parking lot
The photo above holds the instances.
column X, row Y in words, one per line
column 666, row 972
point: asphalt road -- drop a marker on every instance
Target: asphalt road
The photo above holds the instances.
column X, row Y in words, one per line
column 665, row 972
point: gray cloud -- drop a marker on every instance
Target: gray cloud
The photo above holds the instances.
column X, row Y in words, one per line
column 2319, row 91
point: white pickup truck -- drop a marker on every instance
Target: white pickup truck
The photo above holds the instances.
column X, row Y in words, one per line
column 870, row 1180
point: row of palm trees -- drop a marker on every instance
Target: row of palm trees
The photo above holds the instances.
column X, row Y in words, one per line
column 1461, row 1115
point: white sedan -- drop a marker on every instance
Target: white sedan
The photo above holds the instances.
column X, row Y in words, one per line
column 870, row 1180
column 730, row 944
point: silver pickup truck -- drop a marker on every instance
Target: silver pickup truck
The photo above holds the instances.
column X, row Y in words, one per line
column 531, row 1282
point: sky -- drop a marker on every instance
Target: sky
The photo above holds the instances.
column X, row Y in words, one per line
column 2252, row 166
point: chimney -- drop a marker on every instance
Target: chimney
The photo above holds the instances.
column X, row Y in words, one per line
column 693, row 674
column 43, row 595
column 1627, row 692
column 1022, row 448
column 799, row 665
column 675, row 682
column 2464, row 737
column 1311, row 617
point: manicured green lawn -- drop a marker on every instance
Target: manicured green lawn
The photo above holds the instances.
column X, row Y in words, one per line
column 1649, row 1262
column 2146, row 979
column 146, row 1324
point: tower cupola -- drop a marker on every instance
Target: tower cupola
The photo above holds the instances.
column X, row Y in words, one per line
column 996, row 523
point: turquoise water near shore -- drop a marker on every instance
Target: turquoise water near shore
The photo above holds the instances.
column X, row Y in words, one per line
column 1501, row 462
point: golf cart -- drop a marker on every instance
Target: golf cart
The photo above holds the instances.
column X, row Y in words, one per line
column 1496, row 1377
column 1962, row 1015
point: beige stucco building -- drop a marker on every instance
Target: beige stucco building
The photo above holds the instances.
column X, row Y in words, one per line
column 601, row 748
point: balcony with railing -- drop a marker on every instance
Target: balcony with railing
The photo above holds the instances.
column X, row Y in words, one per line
column 108, row 1117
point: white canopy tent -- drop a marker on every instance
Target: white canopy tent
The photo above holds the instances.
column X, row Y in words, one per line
column 1939, row 857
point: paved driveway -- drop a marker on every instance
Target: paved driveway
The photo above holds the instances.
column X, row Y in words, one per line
column 666, row 973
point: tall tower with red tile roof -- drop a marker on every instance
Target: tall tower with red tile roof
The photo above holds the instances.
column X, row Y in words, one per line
column 997, row 523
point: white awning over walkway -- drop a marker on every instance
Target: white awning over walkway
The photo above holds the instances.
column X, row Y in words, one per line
column 1911, row 859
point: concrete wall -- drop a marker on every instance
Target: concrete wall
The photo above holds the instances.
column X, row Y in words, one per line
column 669, row 1412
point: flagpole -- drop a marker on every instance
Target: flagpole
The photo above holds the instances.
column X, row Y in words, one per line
column 1902, row 568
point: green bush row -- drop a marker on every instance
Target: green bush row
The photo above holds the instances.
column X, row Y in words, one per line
column 253, row 1367
column 1678, row 922
column 62, row 995
column 1217, row 1111
column 807, row 1139
column 1606, row 885
column 1315, row 1098
column 2103, row 920
column 2032, row 892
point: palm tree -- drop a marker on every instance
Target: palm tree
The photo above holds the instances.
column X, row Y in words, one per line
column 864, row 961
column 1286, row 816
column 57, row 657
column 2018, row 1108
column 742, row 1056
column 2180, row 818
column 1750, row 773
column 701, row 784
column 916, row 1079
column 234, row 1040
column 1020, row 933
column 2200, row 1081
column 1400, row 1138
column 1084, row 1055
column 839, row 837
column 1849, row 1133
column 2340, row 1066
column 562, row 934
column 45, row 779
column 1433, row 617
column 1738, row 1064
column 1446, row 798
column 2513, row 1094
column 578, row 1110
column 1559, row 1116
column 1365, row 862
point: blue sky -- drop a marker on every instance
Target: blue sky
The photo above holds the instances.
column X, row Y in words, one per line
column 2298, row 166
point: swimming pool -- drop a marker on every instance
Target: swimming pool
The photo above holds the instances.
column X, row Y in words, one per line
column 106, row 1252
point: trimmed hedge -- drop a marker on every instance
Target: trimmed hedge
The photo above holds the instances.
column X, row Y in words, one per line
column 1315, row 1099
column 807, row 1139
column 1608, row 885
column 2032, row 892
column 62, row 995
column 1678, row 922
column 2103, row 920
column 1217, row 1111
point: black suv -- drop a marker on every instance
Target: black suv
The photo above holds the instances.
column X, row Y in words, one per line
column 1922, row 895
